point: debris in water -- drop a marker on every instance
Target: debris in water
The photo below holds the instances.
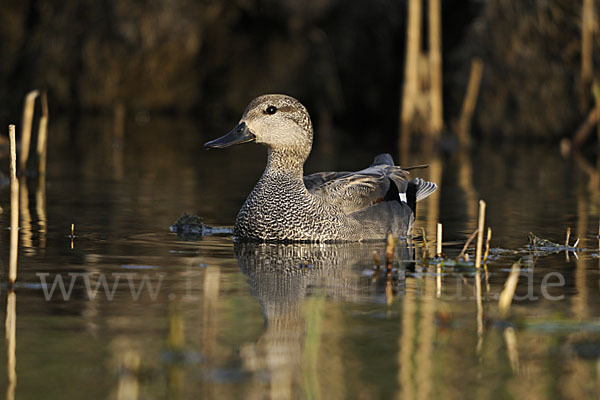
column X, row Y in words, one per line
column 543, row 246
column 191, row 227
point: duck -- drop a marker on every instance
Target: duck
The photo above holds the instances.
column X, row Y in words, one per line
column 286, row 206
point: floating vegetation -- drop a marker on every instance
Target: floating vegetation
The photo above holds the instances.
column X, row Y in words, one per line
column 545, row 247
column 191, row 227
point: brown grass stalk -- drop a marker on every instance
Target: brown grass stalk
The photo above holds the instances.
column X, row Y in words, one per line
column 14, row 208
column 468, row 108
column 27, row 123
column 468, row 242
column 480, row 225
column 438, row 251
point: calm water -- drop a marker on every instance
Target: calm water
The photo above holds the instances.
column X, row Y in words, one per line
column 210, row 319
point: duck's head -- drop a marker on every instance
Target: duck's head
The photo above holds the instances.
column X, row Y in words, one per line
column 278, row 121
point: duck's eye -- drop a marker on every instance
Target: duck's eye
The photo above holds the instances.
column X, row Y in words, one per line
column 271, row 110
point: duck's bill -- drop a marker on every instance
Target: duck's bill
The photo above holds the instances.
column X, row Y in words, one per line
column 240, row 134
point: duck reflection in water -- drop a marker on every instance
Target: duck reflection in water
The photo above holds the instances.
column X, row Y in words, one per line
column 293, row 283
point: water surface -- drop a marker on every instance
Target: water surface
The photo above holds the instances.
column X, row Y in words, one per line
column 218, row 319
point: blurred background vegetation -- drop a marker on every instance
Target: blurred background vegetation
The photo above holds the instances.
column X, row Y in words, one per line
column 343, row 59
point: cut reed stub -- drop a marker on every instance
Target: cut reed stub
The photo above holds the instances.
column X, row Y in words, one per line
column 438, row 251
column 488, row 239
column 14, row 208
column 480, row 225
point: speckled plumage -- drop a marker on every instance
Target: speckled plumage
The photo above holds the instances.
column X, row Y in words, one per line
column 285, row 206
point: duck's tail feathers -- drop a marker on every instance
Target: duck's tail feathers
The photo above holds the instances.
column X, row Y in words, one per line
column 417, row 190
column 423, row 188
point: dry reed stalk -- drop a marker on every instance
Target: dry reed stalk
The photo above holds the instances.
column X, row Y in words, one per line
column 435, row 66
column 480, row 226
column 487, row 244
column 587, row 40
column 27, row 123
column 14, row 208
column 485, row 258
column 567, row 244
column 584, row 130
column 410, row 90
column 468, row 108
column 510, row 286
column 464, row 249
column 439, row 240
column 42, row 136
column 596, row 93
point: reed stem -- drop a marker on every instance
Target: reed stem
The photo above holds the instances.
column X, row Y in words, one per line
column 42, row 136
column 480, row 226
column 27, row 123
column 439, row 240
column 487, row 244
column 14, row 208
column 468, row 108
column 435, row 66
column 468, row 242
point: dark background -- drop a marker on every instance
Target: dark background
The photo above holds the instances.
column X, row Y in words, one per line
column 343, row 59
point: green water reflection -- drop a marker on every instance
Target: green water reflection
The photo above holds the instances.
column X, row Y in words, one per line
column 218, row 320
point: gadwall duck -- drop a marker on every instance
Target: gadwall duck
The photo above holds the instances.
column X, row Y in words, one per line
column 286, row 206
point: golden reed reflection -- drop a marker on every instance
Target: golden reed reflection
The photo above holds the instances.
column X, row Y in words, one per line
column 210, row 322
column 26, row 232
column 175, row 345
column 40, row 206
column 580, row 300
column 510, row 339
column 417, row 338
column 126, row 361
column 10, row 326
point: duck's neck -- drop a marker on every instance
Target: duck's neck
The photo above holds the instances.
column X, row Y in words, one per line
column 287, row 161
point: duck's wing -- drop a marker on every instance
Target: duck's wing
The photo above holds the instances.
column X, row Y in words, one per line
column 353, row 191
column 318, row 179
column 382, row 181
